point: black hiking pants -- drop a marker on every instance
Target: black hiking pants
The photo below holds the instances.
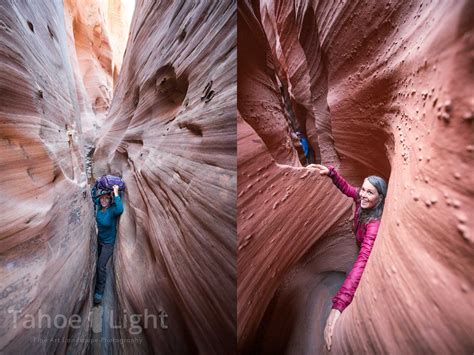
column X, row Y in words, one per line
column 104, row 253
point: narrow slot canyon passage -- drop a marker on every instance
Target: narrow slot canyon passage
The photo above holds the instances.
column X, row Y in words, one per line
column 147, row 92
column 377, row 88
column 211, row 112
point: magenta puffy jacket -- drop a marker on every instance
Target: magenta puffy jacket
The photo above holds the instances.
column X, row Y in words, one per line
column 365, row 237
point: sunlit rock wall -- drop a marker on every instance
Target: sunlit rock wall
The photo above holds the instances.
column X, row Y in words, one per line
column 379, row 87
column 119, row 16
column 92, row 26
column 171, row 133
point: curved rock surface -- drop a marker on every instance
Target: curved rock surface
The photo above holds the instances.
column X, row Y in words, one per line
column 171, row 134
column 119, row 16
column 93, row 28
column 47, row 230
column 379, row 88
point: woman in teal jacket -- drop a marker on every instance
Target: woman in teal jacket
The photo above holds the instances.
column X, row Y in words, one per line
column 106, row 218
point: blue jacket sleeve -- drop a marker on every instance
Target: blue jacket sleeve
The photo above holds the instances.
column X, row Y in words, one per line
column 118, row 208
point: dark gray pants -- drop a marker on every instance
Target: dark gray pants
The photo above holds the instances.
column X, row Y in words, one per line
column 104, row 253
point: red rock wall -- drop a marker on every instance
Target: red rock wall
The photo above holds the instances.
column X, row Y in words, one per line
column 380, row 88
column 47, row 226
column 171, row 133
column 89, row 44
column 50, row 75
column 119, row 16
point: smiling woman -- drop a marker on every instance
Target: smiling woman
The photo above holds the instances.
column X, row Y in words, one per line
column 369, row 200
column 368, row 195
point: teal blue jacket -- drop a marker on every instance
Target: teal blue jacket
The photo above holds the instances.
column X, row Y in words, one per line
column 107, row 220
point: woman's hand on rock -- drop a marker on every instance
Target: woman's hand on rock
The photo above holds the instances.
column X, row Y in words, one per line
column 323, row 170
column 329, row 330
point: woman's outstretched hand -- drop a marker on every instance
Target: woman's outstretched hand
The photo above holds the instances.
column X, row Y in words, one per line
column 116, row 189
column 323, row 170
column 331, row 322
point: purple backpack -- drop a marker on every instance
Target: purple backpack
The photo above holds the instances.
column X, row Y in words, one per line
column 106, row 182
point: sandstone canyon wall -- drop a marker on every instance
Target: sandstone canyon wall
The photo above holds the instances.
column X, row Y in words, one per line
column 378, row 87
column 47, row 235
column 171, row 133
column 119, row 16
column 97, row 31
column 58, row 64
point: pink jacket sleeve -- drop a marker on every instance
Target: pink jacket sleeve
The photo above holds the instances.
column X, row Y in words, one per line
column 342, row 184
column 346, row 293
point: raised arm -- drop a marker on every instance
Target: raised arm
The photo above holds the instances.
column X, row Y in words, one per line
column 337, row 179
column 346, row 293
column 118, row 208
column 346, row 188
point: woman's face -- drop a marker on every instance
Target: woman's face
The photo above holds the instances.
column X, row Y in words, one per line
column 369, row 195
column 104, row 200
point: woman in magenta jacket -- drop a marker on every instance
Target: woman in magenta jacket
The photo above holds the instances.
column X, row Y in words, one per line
column 369, row 200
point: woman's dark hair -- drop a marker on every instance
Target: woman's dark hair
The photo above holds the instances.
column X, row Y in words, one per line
column 375, row 213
